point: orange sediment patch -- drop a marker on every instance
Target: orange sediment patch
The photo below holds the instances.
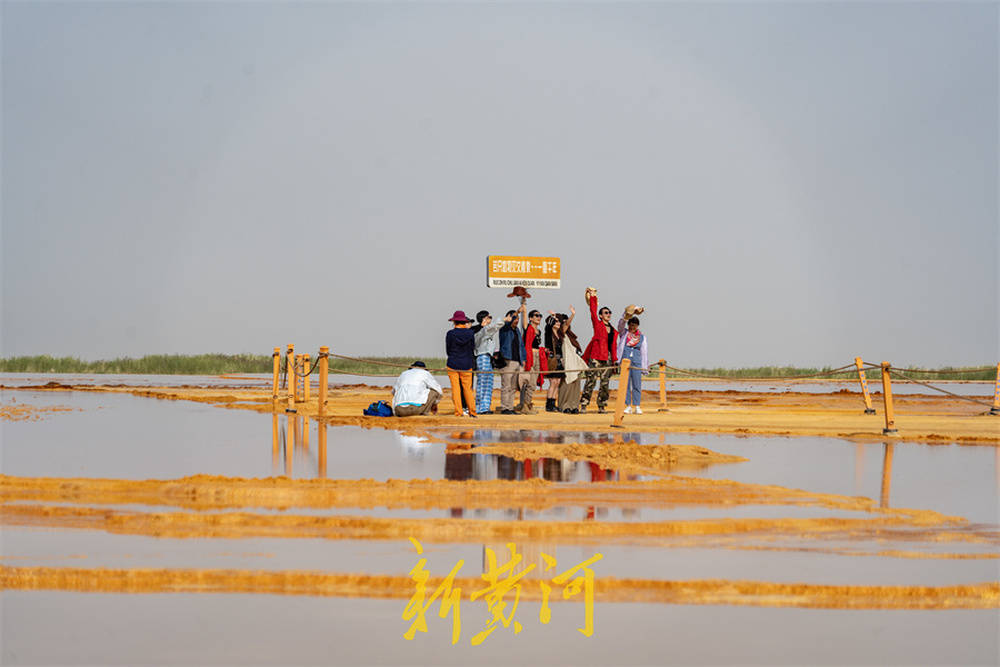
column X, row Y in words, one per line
column 208, row 492
column 607, row 589
column 24, row 412
column 235, row 525
column 624, row 457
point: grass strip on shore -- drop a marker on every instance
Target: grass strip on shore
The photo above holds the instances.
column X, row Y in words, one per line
column 218, row 364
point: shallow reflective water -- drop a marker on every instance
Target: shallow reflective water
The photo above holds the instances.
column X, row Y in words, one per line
column 951, row 479
column 74, row 628
column 111, row 435
column 636, row 559
column 123, row 436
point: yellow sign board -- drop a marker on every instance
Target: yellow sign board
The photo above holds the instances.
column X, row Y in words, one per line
column 538, row 272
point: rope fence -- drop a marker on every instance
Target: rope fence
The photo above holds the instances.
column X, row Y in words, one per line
column 292, row 373
column 895, row 372
column 956, row 371
column 849, row 368
column 846, row 369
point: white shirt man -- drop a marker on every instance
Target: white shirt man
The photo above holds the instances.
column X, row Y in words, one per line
column 416, row 392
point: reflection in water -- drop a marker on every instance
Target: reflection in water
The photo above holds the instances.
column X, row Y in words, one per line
column 305, row 435
column 275, row 445
column 413, row 447
column 322, row 449
column 547, row 471
column 461, row 463
column 530, row 553
column 859, row 467
column 886, row 474
column 457, row 467
column 296, row 445
column 290, row 444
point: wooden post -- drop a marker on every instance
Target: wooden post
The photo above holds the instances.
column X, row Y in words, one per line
column 305, row 378
column 324, row 369
column 298, row 377
column 620, row 399
column 886, row 475
column 290, row 377
column 995, row 410
column 869, row 410
column 663, row 386
column 890, row 421
column 277, row 371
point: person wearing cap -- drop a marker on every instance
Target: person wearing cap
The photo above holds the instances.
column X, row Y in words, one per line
column 632, row 346
column 416, row 392
column 601, row 354
column 485, row 333
column 460, row 346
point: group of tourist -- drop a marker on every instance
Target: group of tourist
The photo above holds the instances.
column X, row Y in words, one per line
column 526, row 350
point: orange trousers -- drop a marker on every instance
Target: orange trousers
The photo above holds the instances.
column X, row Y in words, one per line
column 461, row 383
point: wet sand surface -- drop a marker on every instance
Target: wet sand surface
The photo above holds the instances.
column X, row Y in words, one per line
column 770, row 511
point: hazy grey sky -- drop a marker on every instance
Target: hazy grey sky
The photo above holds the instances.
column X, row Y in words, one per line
column 776, row 182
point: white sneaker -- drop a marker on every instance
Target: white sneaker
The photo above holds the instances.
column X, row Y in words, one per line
column 628, row 409
column 638, row 410
column 465, row 413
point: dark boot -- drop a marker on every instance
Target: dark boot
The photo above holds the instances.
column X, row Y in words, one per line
column 550, row 405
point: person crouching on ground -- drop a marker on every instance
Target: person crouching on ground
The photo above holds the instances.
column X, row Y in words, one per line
column 632, row 346
column 601, row 354
column 486, row 346
column 460, row 346
column 416, row 392
column 512, row 350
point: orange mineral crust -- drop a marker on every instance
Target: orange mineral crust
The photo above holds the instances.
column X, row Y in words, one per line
column 232, row 525
column 209, row 492
column 16, row 412
column 607, row 589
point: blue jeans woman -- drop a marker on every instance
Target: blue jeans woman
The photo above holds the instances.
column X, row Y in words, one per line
column 632, row 346
column 633, row 393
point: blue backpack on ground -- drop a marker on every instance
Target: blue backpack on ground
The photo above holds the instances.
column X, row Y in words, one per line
column 380, row 409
